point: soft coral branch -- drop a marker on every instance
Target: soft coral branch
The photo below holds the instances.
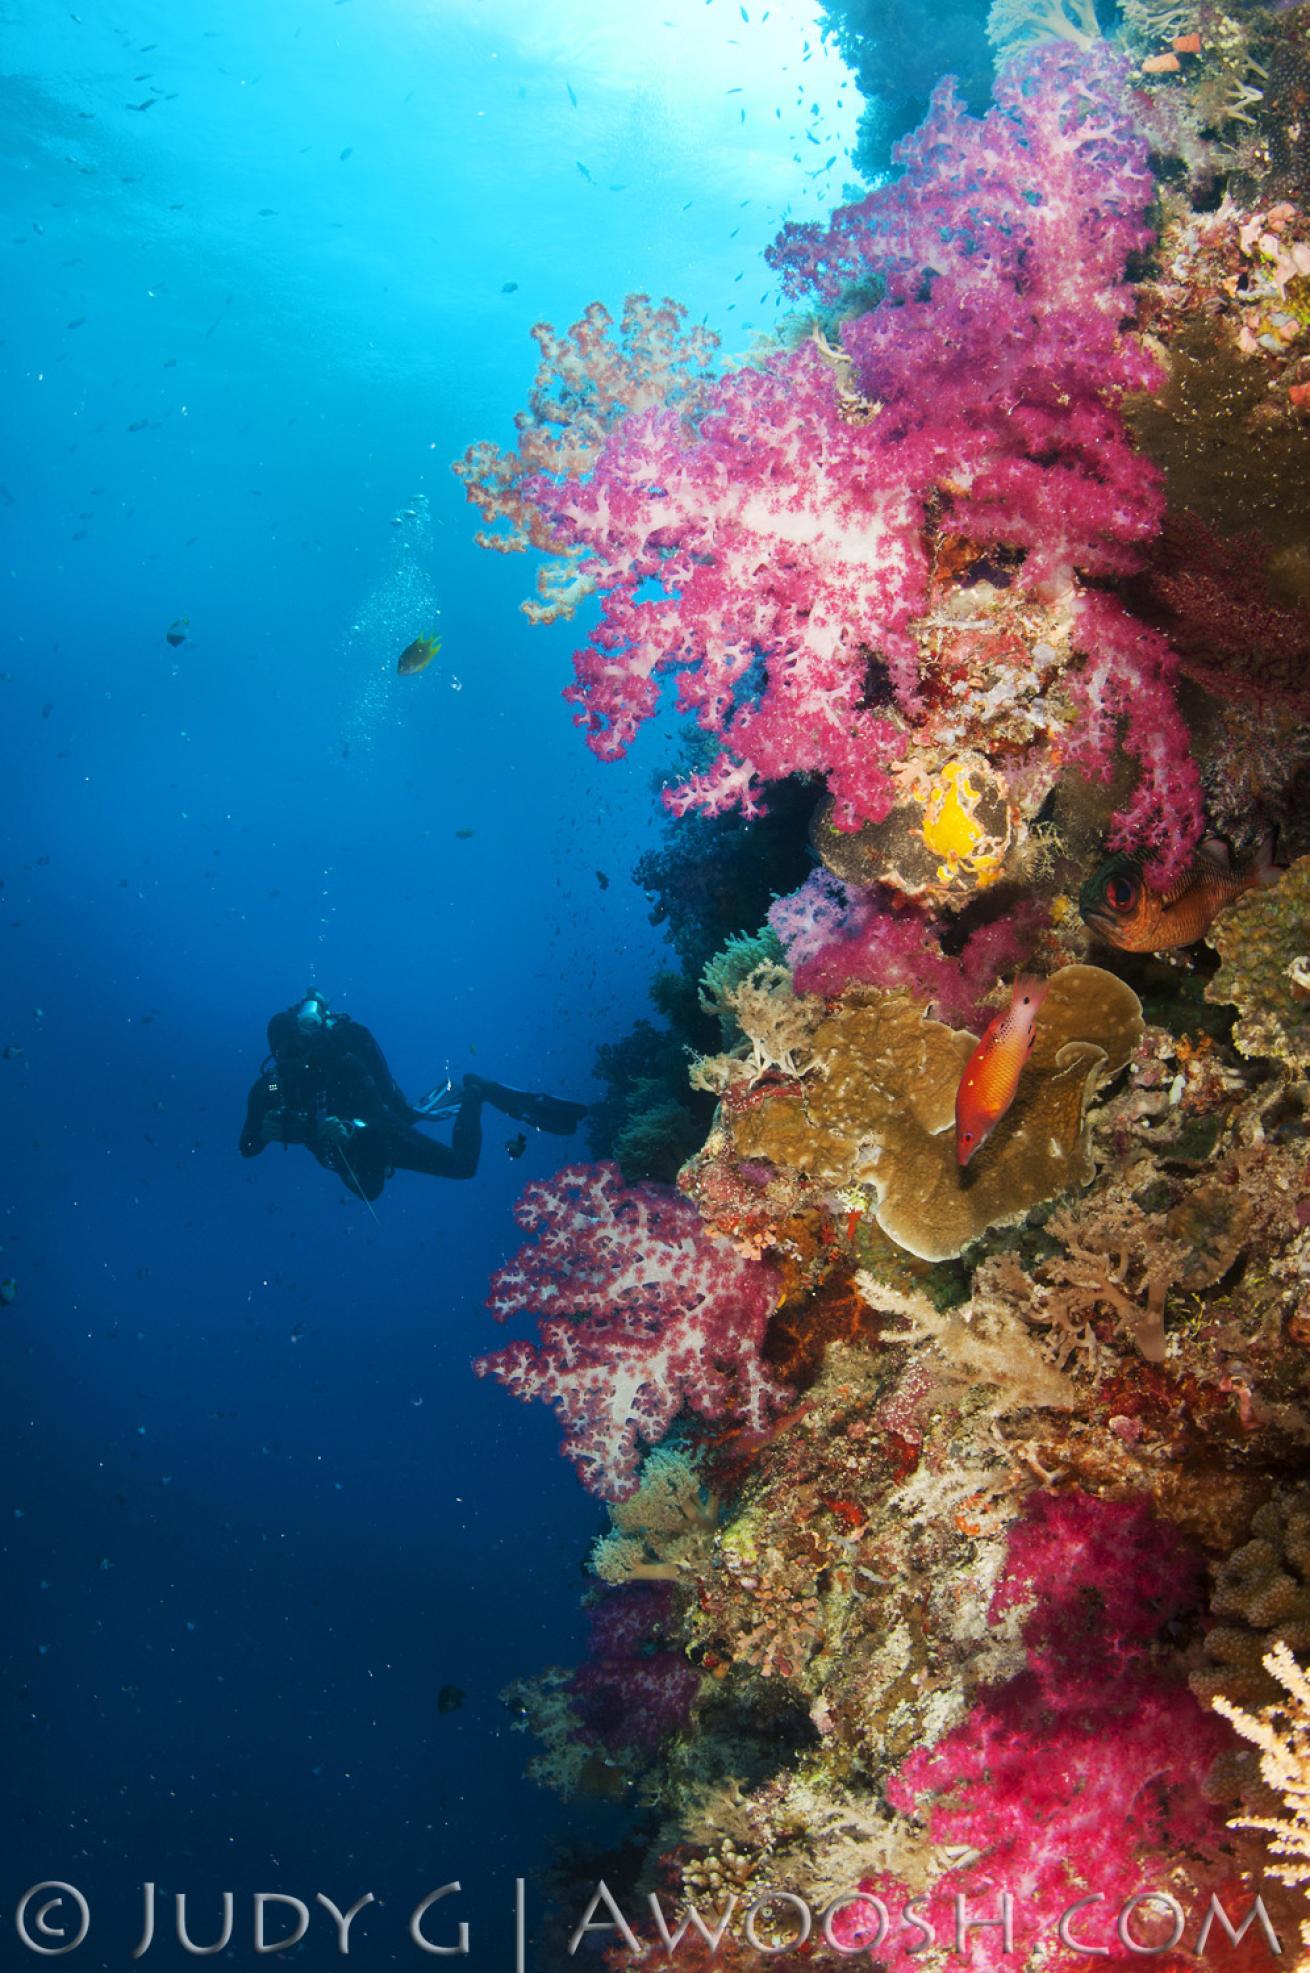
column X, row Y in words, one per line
column 643, row 1312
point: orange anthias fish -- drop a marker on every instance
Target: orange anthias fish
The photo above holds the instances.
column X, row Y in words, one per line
column 991, row 1074
column 418, row 655
column 1122, row 909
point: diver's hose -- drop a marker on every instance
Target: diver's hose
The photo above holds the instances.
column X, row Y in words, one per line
column 350, row 1173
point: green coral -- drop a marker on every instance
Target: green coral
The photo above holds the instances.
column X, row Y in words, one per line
column 1013, row 25
column 1264, row 942
column 664, row 1531
column 730, row 967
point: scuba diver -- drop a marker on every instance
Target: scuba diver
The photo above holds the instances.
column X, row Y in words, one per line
column 326, row 1085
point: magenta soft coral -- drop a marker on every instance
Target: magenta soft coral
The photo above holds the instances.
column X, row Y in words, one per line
column 636, row 1688
column 643, row 1312
column 763, row 559
column 1003, row 249
column 1084, row 1773
column 835, row 935
column 770, row 551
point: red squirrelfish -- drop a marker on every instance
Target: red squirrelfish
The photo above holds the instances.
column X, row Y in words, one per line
column 991, row 1074
column 1122, row 909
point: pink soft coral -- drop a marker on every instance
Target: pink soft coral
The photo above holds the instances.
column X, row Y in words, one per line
column 999, row 337
column 642, row 1312
column 636, row 1688
column 768, row 545
column 1126, row 687
column 1085, row 1772
column 764, row 559
column 835, row 935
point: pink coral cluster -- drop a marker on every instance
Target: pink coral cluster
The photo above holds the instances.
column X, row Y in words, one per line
column 767, row 545
column 635, row 1689
column 770, row 560
column 1084, row 1773
column 1127, row 683
column 998, row 341
column 643, row 1312
column 834, row 935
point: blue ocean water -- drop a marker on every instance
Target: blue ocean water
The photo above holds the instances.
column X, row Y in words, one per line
column 267, row 271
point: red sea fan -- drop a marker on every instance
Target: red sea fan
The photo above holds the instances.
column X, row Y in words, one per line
column 1213, row 599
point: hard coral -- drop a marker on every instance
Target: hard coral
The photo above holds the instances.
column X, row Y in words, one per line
column 1261, row 1596
column 1264, row 942
column 642, row 1312
column 877, row 1112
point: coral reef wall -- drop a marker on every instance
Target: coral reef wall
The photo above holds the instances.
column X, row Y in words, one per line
column 939, row 1344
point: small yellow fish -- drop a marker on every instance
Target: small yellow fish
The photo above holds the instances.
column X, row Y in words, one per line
column 418, row 655
column 1122, row 909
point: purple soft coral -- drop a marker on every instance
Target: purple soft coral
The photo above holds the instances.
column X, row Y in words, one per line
column 643, row 1311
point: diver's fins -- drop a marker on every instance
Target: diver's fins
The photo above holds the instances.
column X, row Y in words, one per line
column 550, row 1113
column 439, row 1103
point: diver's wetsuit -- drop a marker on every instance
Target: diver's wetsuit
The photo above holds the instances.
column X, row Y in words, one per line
column 340, row 1072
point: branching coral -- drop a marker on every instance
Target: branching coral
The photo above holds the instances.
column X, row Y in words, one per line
column 642, row 1312
column 1282, row 1733
column 661, row 1532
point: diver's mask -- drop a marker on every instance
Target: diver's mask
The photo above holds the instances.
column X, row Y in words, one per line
column 312, row 1014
